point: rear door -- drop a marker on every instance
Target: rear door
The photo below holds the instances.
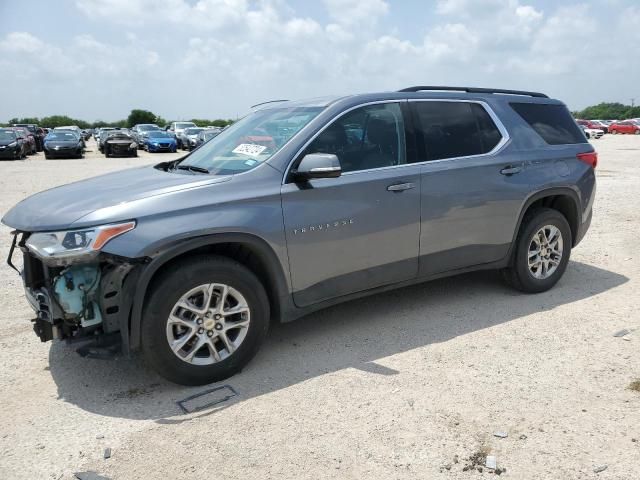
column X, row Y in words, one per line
column 361, row 230
column 472, row 189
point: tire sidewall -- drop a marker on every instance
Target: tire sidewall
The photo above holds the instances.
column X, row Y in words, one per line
column 536, row 222
column 166, row 294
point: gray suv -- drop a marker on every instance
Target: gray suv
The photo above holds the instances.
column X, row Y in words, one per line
column 298, row 206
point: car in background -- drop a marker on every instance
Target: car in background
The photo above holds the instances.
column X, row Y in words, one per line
column 120, row 143
column 207, row 134
column 626, row 126
column 101, row 131
column 138, row 132
column 29, row 139
column 189, row 137
column 37, row 132
column 159, row 141
column 61, row 143
column 593, row 124
column 176, row 128
column 11, row 146
column 103, row 136
column 592, row 132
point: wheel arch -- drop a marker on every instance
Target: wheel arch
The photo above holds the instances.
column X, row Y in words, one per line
column 249, row 250
column 563, row 199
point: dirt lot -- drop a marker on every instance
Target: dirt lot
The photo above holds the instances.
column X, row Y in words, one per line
column 400, row 385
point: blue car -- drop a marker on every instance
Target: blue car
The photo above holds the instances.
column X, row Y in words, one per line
column 159, row 141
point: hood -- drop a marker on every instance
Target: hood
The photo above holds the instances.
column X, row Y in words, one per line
column 60, row 207
column 8, row 142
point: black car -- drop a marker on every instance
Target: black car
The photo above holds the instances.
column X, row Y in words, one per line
column 120, row 143
column 205, row 135
column 37, row 132
column 11, row 147
column 63, row 144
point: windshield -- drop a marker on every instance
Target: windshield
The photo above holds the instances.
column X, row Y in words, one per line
column 193, row 131
column 62, row 136
column 251, row 141
column 158, row 134
column 146, row 128
column 185, row 124
column 6, row 135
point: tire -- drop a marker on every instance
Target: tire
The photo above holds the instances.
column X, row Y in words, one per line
column 637, row 132
column 47, row 156
column 171, row 287
column 519, row 275
column 614, row 132
column 135, row 153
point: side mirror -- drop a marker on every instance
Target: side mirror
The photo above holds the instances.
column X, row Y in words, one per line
column 317, row 165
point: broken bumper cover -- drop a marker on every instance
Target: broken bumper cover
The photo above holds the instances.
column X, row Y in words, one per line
column 105, row 306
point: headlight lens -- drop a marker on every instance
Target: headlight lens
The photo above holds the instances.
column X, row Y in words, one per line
column 75, row 243
column 133, row 145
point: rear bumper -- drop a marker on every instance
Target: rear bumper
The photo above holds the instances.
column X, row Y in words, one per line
column 63, row 152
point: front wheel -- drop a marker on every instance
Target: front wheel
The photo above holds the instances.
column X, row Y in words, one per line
column 204, row 320
column 542, row 251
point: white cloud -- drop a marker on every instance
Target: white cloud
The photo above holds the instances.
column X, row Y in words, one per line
column 216, row 57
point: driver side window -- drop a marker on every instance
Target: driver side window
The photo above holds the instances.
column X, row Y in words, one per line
column 365, row 138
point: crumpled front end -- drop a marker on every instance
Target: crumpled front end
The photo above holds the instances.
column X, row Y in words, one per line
column 79, row 299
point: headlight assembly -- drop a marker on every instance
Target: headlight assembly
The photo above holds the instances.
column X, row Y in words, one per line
column 13, row 144
column 72, row 244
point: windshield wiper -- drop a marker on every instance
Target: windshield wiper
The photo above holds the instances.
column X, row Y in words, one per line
column 192, row 168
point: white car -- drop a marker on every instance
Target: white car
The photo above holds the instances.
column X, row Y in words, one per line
column 593, row 132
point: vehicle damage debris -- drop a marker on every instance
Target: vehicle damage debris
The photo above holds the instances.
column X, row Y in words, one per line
column 207, row 399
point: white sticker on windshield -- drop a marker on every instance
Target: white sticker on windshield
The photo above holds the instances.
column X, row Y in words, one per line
column 249, row 149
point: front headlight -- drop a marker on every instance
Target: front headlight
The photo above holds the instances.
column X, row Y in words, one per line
column 133, row 145
column 13, row 144
column 75, row 243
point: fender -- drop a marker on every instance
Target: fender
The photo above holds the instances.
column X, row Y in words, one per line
column 548, row 192
column 169, row 252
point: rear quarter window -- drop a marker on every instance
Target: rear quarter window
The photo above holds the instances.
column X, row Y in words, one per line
column 553, row 123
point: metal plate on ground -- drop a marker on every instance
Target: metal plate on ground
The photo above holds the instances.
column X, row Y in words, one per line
column 208, row 398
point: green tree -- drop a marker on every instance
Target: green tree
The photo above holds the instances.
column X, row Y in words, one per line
column 141, row 116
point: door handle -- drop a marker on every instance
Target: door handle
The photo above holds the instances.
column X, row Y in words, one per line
column 400, row 187
column 511, row 170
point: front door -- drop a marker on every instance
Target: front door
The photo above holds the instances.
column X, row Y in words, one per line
column 360, row 230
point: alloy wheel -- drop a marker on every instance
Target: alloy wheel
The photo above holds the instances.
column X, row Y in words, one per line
column 545, row 252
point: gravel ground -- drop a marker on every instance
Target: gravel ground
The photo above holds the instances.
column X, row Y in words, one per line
column 406, row 384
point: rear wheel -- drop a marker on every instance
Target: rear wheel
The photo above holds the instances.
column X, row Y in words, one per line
column 204, row 320
column 542, row 251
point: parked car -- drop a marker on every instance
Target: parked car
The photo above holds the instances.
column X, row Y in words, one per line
column 120, row 143
column 176, row 128
column 592, row 132
column 138, row 132
column 159, row 141
column 104, row 133
column 28, row 138
column 205, row 135
column 189, row 137
column 60, row 143
column 626, row 126
column 36, row 131
column 11, row 146
column 190, row 260
column 593, row 124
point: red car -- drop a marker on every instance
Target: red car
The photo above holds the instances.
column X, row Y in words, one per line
column 28, row 138
column 593, row 124
column 624, row 127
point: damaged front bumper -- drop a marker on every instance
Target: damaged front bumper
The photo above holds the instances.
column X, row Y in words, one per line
column 85, row 300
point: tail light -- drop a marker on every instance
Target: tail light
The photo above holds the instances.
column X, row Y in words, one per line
column 590, row 158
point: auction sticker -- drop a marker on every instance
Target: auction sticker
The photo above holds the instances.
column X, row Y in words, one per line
column 249, row 149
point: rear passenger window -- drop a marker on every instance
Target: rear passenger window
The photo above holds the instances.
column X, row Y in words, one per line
column 456, row 129
column 553, row 123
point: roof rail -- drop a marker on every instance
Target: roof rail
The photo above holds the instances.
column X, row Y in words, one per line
column 474, row 90
column 269, row 101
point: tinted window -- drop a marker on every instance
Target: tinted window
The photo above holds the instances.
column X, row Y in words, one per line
column 553, row 123
column 365, row 138
column 456, row 129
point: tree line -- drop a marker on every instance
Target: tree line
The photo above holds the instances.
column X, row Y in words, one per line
column 608, row 111
column 136, row 116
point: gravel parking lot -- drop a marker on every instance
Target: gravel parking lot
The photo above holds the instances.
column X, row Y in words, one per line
column 407, row 384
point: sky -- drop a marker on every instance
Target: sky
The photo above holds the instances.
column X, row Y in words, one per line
column 182, row 59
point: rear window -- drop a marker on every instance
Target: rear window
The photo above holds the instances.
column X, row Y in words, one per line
column 553, row 123
column 456, row 129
